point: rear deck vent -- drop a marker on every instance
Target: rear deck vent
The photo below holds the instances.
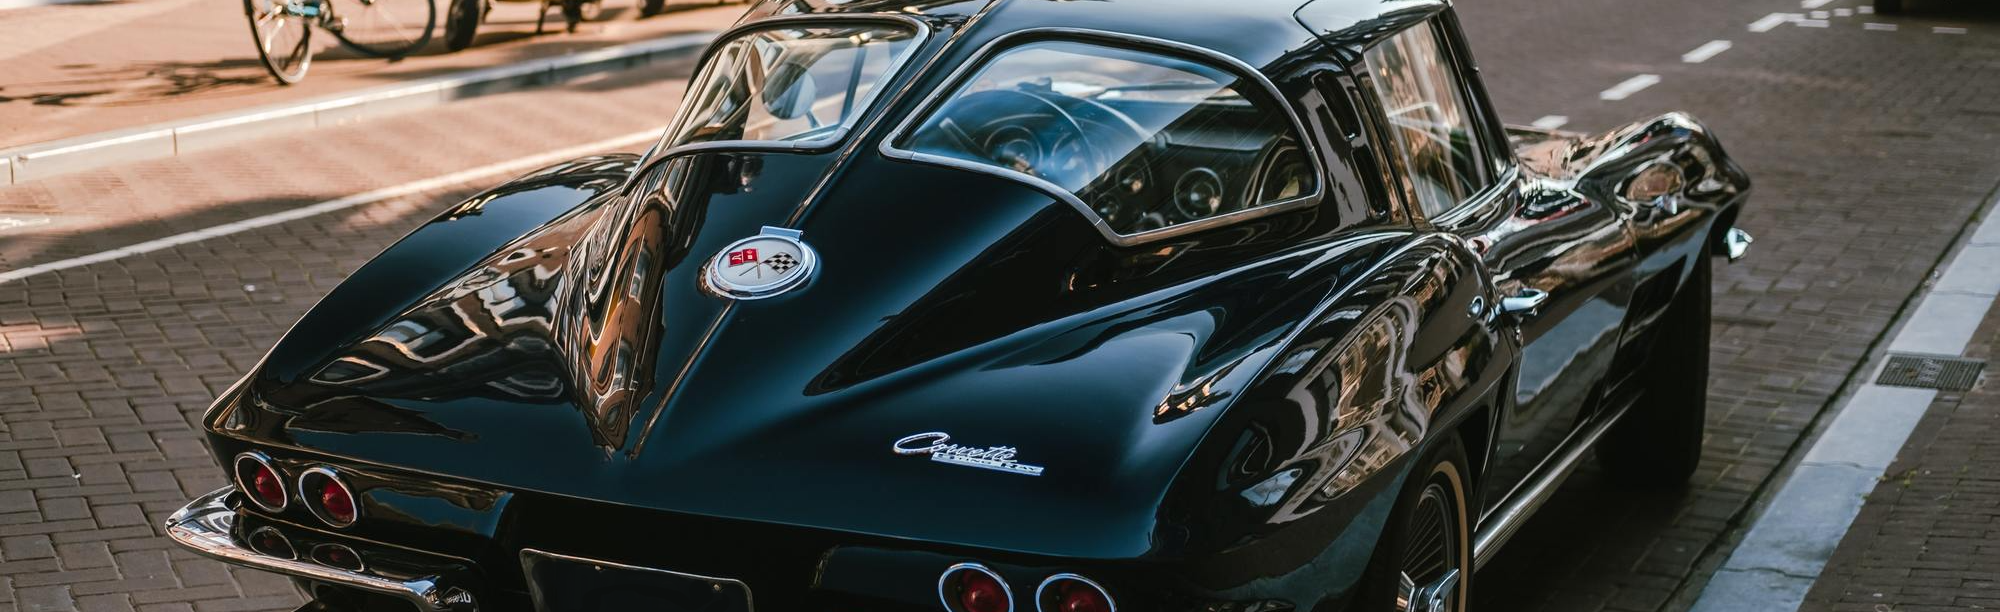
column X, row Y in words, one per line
column 1930, row 372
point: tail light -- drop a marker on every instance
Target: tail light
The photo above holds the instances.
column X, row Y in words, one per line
column 328, row 497
column 260, row 482
column 338, row 556
column 1072, row 593
column 268, row 541
column 970, row 587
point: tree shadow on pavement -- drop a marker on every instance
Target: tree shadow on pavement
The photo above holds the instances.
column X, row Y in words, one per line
column 137, row 83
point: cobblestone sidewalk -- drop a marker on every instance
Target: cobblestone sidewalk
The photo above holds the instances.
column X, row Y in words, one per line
column 1927, row 538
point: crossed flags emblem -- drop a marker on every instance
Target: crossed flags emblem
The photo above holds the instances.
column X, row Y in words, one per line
column 778, row 264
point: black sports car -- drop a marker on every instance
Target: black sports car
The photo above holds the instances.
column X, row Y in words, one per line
column 999, row 306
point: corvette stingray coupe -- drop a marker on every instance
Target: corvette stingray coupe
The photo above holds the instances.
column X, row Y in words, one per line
column 1000, row 306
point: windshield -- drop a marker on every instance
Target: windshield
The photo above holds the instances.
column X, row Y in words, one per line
column 802, row 84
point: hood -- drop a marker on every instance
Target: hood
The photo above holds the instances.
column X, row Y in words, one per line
column 582, row 358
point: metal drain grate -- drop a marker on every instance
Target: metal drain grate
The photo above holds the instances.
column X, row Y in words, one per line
column 1930, row 372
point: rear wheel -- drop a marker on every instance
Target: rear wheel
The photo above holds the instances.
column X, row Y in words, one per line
column 1658, row 442
column 383, row 28
column 1424, row 561
column 284, row 37
column 461, row 23
column 649, row 8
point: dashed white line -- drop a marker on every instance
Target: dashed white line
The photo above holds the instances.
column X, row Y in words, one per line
column 1811, row 23
column 1945, row 30
column 1769, row 21
column 1843, row 12
column 1880, row 27
column 1550, row 122
column 1819, row 14
column 1865, row 10
column 1813, row 4
column 1630, row 86
column 1706, row 50
column 437, row 182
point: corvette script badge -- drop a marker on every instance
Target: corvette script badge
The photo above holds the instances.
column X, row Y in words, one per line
column 938, row 445
column 772, row 262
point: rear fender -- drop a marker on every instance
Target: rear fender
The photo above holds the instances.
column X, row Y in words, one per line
column 446, row 247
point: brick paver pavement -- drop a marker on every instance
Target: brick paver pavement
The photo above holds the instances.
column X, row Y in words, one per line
column 1869, row 148
column 78, row 69
column 104, row 369
column 1927, row 536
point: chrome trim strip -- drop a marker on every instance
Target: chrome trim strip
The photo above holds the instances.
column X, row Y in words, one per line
column 975, row 567
column 1229, row 64
column 204, row 526
column 1507, row 518
column 320, row 512
column 535, row 593
column 1068, row 576
column 236, row 473
column 920, row 34
column 910, row 84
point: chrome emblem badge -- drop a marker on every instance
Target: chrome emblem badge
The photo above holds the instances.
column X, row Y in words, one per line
column 938, row 445
column 772, row 262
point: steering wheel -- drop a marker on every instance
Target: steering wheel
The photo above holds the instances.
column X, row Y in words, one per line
column 1025, row 132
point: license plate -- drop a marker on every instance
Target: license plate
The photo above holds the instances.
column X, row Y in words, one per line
column 561, row 583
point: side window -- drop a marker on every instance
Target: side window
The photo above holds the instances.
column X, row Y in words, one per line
column 1145, row 141
column 1434, row 140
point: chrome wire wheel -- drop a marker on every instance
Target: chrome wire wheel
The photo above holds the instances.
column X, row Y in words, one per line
column 283, row 34
column 1436, row 561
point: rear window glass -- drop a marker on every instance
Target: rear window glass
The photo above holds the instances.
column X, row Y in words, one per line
column 802, row 84
column 1146, row 141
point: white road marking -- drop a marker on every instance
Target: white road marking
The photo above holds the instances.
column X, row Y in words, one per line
column 1813, row 4
column 1551, row 122
column 463, row 176
column 1880, row 27
column 1630, row 86
column 1707, row 50
column 1820, row 15
column 1768, row 21
column 1811, row 23
column 1865, row 10
column 1945, row 30
column 1843, row 12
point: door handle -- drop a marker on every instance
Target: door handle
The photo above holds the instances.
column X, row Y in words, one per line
column 1524, row 303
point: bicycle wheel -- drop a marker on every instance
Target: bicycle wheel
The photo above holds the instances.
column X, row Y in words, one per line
column 382, row 28
column 283, row 31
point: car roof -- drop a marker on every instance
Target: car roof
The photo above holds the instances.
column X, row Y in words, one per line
column 1259, row 32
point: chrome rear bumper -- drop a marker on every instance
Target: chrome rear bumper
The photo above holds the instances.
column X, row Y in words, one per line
column 207, row 526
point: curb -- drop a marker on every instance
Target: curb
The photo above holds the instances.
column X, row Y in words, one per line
column 42, row 160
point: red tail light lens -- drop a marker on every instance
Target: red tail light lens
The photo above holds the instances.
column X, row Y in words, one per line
column 970, row 587
column 260, row 482
column 332, row 500
column 338, row 504
column 1072, row 593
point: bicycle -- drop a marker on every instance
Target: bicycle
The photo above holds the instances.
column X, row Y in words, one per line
column 376, row 28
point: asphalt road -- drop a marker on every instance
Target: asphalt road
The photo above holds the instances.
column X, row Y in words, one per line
column 1870, row 147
